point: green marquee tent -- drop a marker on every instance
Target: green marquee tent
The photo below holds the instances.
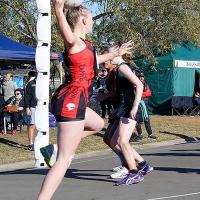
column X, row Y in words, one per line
column 173, row 79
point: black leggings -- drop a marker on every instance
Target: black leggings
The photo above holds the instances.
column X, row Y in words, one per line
column 15, row 117
column 105, row 108
column 147, row 126
column 110, row 132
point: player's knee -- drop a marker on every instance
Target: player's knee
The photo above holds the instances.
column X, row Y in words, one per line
column 70, row 159
column 123, row 142
column 65, row 161
column 101, row 124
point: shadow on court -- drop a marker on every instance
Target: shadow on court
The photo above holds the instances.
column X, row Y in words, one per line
column 12, row 143
column 185, row 137
column 71, row 173
column 173, row 154
column 178, row 169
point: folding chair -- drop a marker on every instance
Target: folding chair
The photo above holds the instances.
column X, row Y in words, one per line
column 177, row 111
column 7, row 122
column 181, row 105
column 196, row 109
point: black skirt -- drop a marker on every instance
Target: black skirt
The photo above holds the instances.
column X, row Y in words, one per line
column 124, row 111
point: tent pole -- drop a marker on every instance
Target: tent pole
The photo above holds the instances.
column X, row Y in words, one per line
column 61, row 72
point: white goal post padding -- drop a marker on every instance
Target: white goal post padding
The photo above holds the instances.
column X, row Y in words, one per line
column 42, row 60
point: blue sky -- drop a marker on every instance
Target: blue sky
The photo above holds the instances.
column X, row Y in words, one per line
column 93, row 8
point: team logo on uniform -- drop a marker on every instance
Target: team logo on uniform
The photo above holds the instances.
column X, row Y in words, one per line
column 70, row 106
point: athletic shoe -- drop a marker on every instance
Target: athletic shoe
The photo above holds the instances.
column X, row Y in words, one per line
column 134, row 139
column 146, row 169
column 122, row 173
column 152, row 137
column 49, row 153
column 31, row 147
column 131, row 179
column 140, row 137
column 118, row 168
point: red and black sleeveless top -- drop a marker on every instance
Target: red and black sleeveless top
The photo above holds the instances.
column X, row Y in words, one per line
column 81, row 65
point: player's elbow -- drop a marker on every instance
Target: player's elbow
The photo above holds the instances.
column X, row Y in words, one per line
column 69, row 41
column 140, row 86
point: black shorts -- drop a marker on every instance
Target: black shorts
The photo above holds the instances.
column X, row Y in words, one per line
column 124, row 111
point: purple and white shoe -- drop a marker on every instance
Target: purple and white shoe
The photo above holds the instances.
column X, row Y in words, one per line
column 146, row 169
column 131, row 179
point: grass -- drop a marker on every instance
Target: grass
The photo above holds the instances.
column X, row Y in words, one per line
column 14, row 149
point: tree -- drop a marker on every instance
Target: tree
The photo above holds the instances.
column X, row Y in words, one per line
column 153, row 25
column 18, row 20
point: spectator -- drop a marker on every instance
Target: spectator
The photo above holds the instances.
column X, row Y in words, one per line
column 101, row 85
column 30, row 105
column 110, row 96
column 110, row 84
column 197, row 98
column 144, row 115
column 146, row 91
column 18, row 101
column 101, row 81
column 93, row 103
column 8, row 87
column 2, row 80
column 1, row 115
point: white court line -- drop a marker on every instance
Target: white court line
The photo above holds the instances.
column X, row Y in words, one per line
column 170, row 197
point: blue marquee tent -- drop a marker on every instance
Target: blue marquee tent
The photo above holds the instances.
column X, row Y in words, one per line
column 15, row 52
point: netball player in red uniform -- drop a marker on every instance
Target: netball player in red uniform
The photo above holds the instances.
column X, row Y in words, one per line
column 69, row 104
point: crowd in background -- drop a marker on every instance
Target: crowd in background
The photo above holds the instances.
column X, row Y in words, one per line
column 17, row 105
column 105, row 102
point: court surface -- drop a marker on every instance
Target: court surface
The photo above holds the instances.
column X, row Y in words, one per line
column 176, row 177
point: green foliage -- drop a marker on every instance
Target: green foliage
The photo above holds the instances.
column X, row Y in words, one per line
column 153, row 25
column 18, row 20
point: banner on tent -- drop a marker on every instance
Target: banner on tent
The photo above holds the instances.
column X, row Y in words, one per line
column 187, row 63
